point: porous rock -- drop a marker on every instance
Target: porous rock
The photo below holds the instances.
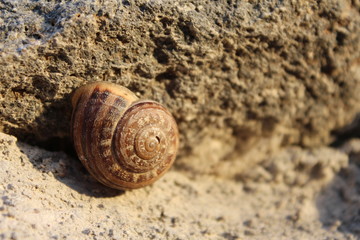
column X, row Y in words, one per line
column 233, row 73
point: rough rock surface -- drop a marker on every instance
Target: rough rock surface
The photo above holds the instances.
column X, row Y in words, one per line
column 232, row 72
column 297, row 194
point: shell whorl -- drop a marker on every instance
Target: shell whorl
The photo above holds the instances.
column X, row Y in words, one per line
column 124, row 142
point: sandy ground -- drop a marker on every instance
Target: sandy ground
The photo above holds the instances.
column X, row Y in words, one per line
column 297, row 194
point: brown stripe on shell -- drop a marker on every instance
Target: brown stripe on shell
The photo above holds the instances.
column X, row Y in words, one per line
column 89, row 115
column 78, row 122
column 104, row 151
column 103, row 105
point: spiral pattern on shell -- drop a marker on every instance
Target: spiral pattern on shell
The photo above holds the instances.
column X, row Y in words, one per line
column 125, row 143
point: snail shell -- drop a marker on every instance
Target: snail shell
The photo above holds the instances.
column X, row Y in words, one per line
column 124, row 142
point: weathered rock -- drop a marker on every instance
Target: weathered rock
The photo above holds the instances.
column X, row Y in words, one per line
column 233, row 73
